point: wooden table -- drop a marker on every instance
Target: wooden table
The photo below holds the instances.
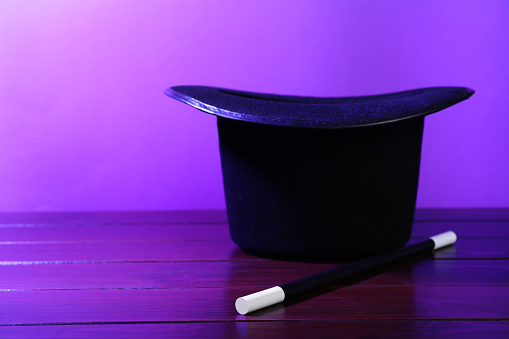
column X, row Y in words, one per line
column 177, row 274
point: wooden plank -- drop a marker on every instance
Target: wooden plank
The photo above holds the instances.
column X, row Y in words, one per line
column 122, row 251
column 469, row 248
column 461, row 214
column 464, row 229
column 254, row 274
column 210, row 304
column 116, row 217
column 269, row 329
column 87, row 233
column 219, row 216
column 120, row 232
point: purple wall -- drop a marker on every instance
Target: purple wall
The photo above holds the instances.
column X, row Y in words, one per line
column 84, row 124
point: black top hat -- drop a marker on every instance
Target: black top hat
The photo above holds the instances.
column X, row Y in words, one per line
column 300, row 182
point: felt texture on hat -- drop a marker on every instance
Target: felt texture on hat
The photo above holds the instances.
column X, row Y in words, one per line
column 319, row 112
column 314, row 194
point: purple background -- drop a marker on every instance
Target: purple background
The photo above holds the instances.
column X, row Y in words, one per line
column 84, row 124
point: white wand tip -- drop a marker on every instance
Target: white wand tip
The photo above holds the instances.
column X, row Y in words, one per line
column 258, row 300
column 444, row 239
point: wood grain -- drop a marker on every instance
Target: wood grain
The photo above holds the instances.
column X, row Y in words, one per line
column 217, row 304
column 254, row 274
column 124, row 217
column 175, row 232
column 118, row 251
column 268, row 329
column 177, row 274
column 219, row 216
column 112, row 232
column 461, row 214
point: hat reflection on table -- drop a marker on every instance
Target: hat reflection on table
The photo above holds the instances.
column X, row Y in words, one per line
column 310, row 178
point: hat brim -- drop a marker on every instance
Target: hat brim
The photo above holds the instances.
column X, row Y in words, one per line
column 319, row 112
